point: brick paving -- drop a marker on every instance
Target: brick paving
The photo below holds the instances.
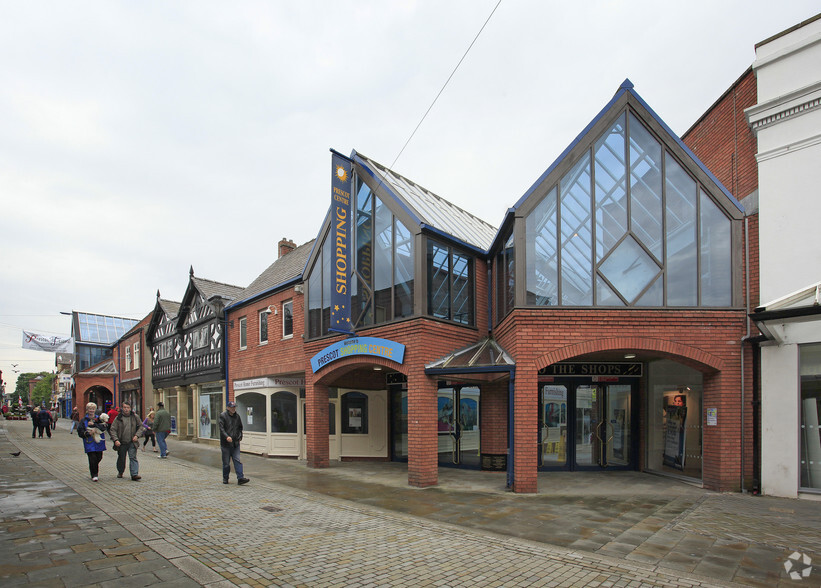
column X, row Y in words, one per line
column 181, row 526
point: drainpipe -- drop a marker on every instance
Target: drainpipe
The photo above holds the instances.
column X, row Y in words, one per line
column 744, row 339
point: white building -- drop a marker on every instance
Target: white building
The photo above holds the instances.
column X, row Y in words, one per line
column 787, row 124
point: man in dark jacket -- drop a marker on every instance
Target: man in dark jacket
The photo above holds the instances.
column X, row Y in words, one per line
column 44, row 422
column 125, row 432
column 230, row 436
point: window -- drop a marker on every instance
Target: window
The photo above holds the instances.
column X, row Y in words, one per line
column 355, row 413
column 263, row 327
column 127, row 358
column 251, row 411
column 287, row 319
column 450, row 284
column 165, row 349
column 809, row 362
column 627, row 226
column 283, row 412
column 210, row 408
column 200, row 337
column 243, row 333
column 382, row 284
column 136, row 355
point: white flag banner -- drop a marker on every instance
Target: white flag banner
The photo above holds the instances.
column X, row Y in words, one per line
column 47, row 343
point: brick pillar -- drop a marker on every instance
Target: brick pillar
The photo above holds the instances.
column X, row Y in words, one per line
column 525, row 432
column 423, row 439
column 316, row 405
column 494, row 418
column 721, row 466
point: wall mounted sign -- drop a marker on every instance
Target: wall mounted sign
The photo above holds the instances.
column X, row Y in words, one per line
column 594, row 369
column 359, row 346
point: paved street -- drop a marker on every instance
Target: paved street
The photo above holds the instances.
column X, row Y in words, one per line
column 360, row 526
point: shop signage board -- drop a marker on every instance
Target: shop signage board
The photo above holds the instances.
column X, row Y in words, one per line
column 372, row 346
column 594, row 370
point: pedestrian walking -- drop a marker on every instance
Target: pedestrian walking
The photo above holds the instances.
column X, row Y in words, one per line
column 162, row 427
column 35, row 422
column 230, row 436
column 112, row 414
column 148, row 425
column 125, row 433
column 55, row 414
column 88, row 427
column 75, row 419
column 43, row 422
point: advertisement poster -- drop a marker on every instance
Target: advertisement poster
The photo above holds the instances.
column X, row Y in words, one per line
column 445, row 421
column 675, row 413
column 355, row 417
column 205, row 417
column 468, row 414
column 249, row 415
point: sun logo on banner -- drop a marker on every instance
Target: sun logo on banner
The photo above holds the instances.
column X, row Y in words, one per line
column 341, row 174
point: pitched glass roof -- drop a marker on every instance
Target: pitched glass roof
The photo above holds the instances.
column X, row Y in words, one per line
column 430, row 209
column 97, row 328
column 486, row 354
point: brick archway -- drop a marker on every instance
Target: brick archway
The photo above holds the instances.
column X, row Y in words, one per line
column 692, row 356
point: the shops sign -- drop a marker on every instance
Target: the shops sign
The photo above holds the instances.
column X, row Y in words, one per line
column 359, row 346
column 593, row 369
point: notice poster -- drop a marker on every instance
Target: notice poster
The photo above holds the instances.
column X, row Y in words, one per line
column 205, row 417
column 675, row 418
column 355, row 417
column 249, row 415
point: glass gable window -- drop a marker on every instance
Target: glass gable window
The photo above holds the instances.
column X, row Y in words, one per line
column 382, row 285
column 450, row 284
column 627, row 225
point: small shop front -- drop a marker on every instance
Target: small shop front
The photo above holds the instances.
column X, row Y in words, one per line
column 591, row 416
column 269, row 408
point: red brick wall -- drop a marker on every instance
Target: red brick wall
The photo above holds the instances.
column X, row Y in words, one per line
column 277, row 357
column 494, row 417
column 723, row 140
column 703, row 339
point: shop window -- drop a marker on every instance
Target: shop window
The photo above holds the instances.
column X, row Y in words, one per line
column 251, row 410
column 287, row 319
column 243, row 333
column 626, row 225
column 810, row 410
column 355, row 413
column 209, row 411
column 283, row 412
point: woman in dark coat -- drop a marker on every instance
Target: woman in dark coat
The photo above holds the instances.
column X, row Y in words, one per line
column 92, row 430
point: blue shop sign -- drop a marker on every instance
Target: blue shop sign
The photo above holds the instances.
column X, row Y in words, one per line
column 359, row 346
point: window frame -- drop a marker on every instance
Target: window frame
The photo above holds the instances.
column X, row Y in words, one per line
column 136, row 354
column 263, row 318
column 290, row 305
column 127, row 358
column 243, row 333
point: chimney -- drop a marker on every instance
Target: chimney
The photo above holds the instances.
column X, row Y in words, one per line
column 286, row 246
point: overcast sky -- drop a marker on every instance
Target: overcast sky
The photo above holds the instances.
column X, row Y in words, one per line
column 138, row 139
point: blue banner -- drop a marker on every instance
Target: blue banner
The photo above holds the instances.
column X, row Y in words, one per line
column 359, row 346
column 340, row 242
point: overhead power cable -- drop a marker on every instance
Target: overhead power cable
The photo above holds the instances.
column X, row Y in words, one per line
column 424, row 116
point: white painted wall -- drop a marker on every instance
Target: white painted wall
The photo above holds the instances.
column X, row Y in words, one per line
column 787, row 123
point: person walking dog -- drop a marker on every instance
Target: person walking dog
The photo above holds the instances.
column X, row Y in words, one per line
column 230, row 435
column 125, row 432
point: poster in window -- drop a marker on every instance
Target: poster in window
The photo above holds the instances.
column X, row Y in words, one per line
column 619, row 419
column 675, row 418
column 355, row 417
column 468, row 414
column 444, row 421
column 205, row 417
column 249, row 414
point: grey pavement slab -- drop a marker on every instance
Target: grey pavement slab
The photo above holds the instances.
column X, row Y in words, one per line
column 360, row 524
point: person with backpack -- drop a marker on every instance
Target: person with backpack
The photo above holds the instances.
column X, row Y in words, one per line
column 125, row 431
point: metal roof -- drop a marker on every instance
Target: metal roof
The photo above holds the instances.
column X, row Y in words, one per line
column 430, row 210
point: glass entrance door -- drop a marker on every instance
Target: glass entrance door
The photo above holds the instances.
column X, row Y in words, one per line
column 603, row 426
column 458, row 426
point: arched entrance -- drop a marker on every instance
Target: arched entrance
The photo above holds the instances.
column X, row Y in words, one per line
column 99, row 395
